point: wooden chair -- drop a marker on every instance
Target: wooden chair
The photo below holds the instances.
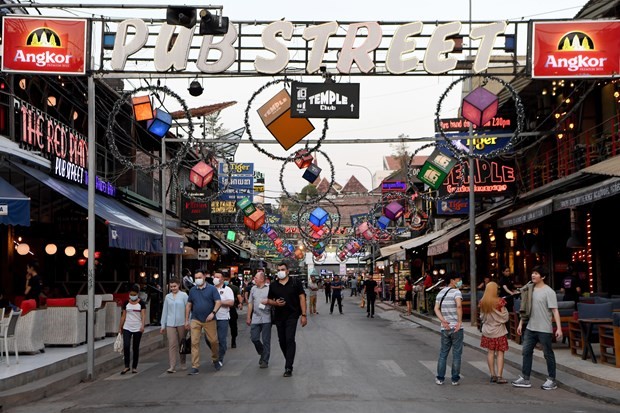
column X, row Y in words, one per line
column 609, row 342
column 575, row 337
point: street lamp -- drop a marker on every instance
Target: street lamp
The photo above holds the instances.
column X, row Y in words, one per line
column 372, row 186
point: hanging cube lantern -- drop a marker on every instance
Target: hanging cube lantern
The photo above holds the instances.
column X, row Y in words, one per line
column 246, row 206
column 342, row 255
column 272, row 234
column 317, row 234
column 479, row 106
column 394, row 210
column 318, row 217
column 160, row 124
column 365, row 231
column 314, row 227
column 142, row 108
column 255, row 220
column 201, row 174
column 319, row 248
column 265, row 228
column 303, row 159
column 278, row 242
column 383, row 222
column 276, row 115
column 312, row 172
column 355, row 247
column 436, row 169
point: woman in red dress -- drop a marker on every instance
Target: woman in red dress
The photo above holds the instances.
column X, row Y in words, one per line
column 494, row 316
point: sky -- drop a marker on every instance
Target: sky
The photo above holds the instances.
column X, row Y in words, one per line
column 389, row 105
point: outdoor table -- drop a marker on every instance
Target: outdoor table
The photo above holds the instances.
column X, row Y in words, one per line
column 587, row 326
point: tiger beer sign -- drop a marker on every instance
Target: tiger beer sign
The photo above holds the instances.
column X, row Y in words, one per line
column 576, row 49
column 44, row 46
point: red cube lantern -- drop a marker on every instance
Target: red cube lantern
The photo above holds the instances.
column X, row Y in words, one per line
column 142, row 108
column 365, row 230
column 201, row 174
column 303, row 159
column 278, row 242
column 255, row 220
column 480, row 106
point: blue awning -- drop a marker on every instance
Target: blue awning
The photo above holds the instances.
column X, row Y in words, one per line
column 127, row 229
column 14, row 206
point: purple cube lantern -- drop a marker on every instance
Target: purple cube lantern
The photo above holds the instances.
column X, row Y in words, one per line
column 383, row 222
column 394, row 210
column 318, row 217
column 272, row 234
column 479, row 106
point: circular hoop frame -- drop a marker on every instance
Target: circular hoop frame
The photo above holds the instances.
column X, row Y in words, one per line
column 213, row 196
column 317, row 198
column 332, row 226
column 387, row 198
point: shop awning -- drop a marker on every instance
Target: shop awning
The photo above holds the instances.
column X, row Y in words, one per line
column 411, row 243
column 440, row 245
column 14, row 206
column 610, row 167
column 528, row 213
column 127, row 229
column 592, row 193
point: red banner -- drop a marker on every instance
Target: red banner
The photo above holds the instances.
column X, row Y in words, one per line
column 576, row 49
column 44, row 46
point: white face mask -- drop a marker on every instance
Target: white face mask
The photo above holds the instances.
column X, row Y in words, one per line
column 133, row 297
column 281, row 275
column 217, row 281
column 199, row 281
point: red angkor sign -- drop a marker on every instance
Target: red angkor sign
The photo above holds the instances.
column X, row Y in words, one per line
column 42, row 45
column 576, row 49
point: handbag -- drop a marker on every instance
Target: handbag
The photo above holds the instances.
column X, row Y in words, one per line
column 186, row 344
column 118, row 343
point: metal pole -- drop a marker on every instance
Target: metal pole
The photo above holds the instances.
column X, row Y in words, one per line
column 92, row 171
column 164, row 263
column 472, row 215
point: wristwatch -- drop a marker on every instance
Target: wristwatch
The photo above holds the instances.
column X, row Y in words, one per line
column 213, row 312
column 303, row 315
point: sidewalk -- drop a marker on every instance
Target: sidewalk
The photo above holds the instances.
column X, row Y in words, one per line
column 596, row 381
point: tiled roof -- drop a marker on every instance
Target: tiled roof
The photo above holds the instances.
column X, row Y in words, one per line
column 392, row 163
column 353, row 185
column 203, row 110
column 323, row 186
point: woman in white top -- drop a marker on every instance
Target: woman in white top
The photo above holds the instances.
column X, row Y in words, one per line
column 173, row 323
column 133, row 316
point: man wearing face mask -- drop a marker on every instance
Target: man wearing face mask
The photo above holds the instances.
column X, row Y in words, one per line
column 234, row 316
column 289, row 301
column 223, row 315
column 203, row 303
column 449, row 311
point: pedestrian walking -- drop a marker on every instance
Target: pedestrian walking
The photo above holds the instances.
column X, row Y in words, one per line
column 494, row 315
column 449, row 311
column 409, row 295
column 327, row 286
column 370, row 290
column 353, row 286
column 203, row 303
column 337, row 287
column 234, row 315
column 289, row 299
column 314, row 288
column 173, row 323
column 222, row 317
column 539, row 305
column 259, row 319
column 188, row 280
column 133, row 318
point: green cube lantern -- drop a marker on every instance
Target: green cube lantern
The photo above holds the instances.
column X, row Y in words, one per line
column 246, row 206
column 231, row 236
column 436, row 169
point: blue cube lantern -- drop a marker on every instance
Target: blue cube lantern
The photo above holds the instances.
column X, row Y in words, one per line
column 312, row 172
column 383, row 222
column 265, row 228
column 160, row 124
column 318, row 217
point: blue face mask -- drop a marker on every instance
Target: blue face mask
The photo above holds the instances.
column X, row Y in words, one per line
column 225, row 282
column 459, row 284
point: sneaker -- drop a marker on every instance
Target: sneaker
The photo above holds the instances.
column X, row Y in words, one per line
column 438, row 382
column 521, row 382
column 171, row 371
column 193, row 372
column 183, row 367
column 217, row 365
column 287, row 373
column 263, row 364
column 455, row 383
column 549, row 385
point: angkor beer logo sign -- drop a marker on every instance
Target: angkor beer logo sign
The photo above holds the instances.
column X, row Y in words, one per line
column 576, row 49
column 41, row 45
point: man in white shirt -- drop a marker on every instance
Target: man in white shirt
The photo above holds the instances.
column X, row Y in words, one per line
column 223, row 315
column 259, row 319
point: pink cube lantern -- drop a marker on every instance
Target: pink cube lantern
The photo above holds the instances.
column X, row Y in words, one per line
column 272, row 234
column 303, row 159
column 201, row 174
column 480, row 106
column 365, row 231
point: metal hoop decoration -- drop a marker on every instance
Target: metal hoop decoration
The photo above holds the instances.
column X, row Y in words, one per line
column 310, row 200
column 320, row 259
column 248, row 131
column 109, row 133
column 386, row 198
column 494, row 153
column 426, row 196
column 303, row 213
column 342, row 244
column 214, row 195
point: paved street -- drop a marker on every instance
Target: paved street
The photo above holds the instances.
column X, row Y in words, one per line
column 344, row 363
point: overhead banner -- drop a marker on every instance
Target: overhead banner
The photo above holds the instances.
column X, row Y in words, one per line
column 575, row 49
column 43, row 45
column 241, row 181
column 325, row 100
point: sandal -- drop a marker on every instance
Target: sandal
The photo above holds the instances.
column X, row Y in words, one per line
column 493, row 379
column 125, row 370
column 501, row 380
column 134, row 371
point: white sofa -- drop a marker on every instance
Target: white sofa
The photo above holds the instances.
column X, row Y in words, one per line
column 64, row 324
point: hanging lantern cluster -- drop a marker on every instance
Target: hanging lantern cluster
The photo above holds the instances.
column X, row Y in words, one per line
column 158, row 121
column 253, row 218
column 346, row 250
column 285, row 249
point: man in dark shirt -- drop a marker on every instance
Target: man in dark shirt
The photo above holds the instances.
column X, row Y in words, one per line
column 33, row 282
column 371, row 295
column 234, row 316
column 289, row 301
column 337, row 287
column 328, row 289
column 507, row 289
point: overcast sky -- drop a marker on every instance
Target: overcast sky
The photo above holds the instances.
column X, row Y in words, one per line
column 389, row 105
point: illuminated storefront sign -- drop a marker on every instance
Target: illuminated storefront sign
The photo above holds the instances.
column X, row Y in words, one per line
column 394, row 186
column 576, row 49
column 490, row 177
column 44, row 45
column 76, row 174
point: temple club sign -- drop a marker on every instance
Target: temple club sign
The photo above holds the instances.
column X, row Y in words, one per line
column 173, row 44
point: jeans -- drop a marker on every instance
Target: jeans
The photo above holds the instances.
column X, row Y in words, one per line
column 353, row 291
column 127, row 336
column 530, row 338
column 258, row 332
column 286, row 336
column 234, row 329
column 370, row 303
column 338, row 298
column 222, row 333
column 454, row 340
